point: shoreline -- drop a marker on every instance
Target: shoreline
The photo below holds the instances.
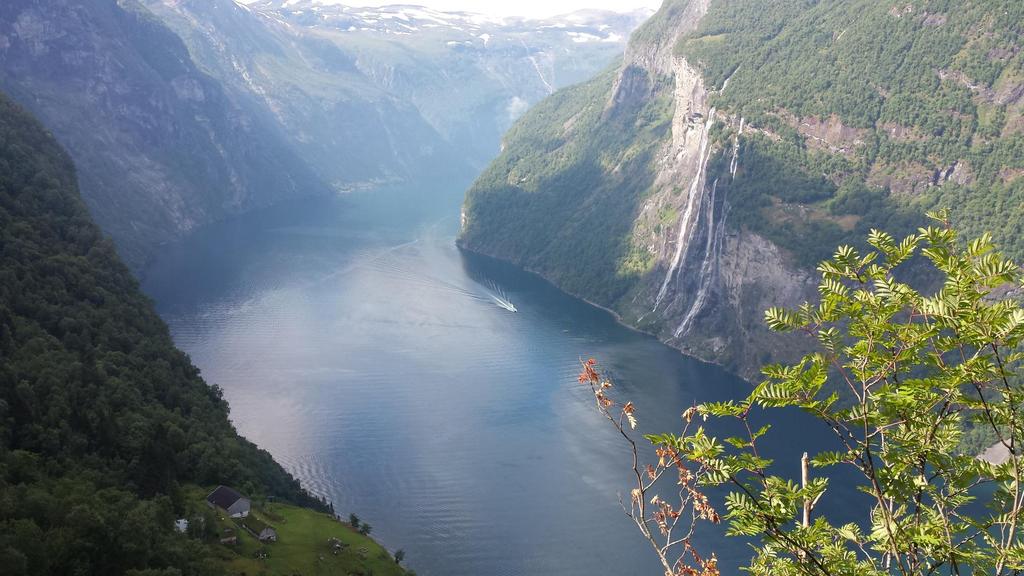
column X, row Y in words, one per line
column 995, row 454
column 615, row 315
column 538, row 274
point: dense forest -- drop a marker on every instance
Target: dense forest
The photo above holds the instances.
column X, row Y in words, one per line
column 880, row 106
column 102, row 420
column 526, row 205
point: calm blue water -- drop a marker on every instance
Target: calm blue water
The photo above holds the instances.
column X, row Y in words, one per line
column 364, row 351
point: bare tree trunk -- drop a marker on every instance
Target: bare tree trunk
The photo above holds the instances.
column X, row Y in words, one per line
column 804, row 480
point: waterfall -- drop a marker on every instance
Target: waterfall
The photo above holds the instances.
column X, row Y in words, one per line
column 726, row 83
column 734, row 164
column 536, row 66
column 712, row 249
column 696, row 197
column 736, row 151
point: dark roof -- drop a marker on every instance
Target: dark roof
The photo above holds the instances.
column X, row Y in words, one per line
column 223, row 497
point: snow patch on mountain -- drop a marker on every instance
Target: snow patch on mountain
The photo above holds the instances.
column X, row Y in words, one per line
column 579, row 27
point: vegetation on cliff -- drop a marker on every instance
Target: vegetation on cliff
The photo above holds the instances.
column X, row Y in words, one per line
column 161, row 147
column 844, row 116
column 903, row 104
column 102, row 419
column 567, row 160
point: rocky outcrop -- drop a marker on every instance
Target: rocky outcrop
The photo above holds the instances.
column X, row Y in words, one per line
column 830, row 134
column 900, row 133
column 708, row 289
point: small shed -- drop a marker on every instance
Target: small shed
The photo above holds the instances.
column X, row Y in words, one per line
column 181, row 525
column 227, row 499
column 268, row 534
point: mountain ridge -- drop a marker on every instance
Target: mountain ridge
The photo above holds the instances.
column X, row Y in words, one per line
column 181, row 113
column 699, row 213
column 469, row 75
column 161, row 148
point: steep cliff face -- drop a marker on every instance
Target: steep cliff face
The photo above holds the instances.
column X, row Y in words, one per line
column 161, row 147
column 633, row 205
column 698, row 183
column 352, row 132
column 703, row 289
column 182, row 112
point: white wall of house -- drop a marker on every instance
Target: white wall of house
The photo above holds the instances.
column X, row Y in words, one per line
column 240, row 509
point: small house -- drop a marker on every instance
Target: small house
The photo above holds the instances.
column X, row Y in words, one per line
column 181, row 525
column 268, row 534
column 236, row 505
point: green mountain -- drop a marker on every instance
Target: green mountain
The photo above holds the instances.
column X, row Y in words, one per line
column 102, row 420
column 740, row 142
column 162, row 148
column 372, row 94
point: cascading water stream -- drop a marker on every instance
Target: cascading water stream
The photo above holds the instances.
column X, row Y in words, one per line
column 698, row 194
column 736, row 151
column 726, row 83
column 696, row 197
column 712, row 249
column 713, row 246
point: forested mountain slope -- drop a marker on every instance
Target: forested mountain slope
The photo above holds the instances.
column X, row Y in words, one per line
column 739, row 142
column 102, row 419
column 161, row 147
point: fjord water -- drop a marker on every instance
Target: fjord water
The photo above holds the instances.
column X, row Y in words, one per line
column 357, row 344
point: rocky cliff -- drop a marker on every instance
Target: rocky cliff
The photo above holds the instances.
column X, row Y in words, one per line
column 697, row 183
column 705, row 288
column 352, row 132
column 161, row 147
column 182, row 112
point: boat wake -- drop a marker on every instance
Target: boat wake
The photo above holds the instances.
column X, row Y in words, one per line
column 499, row 297
column 492, row 293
